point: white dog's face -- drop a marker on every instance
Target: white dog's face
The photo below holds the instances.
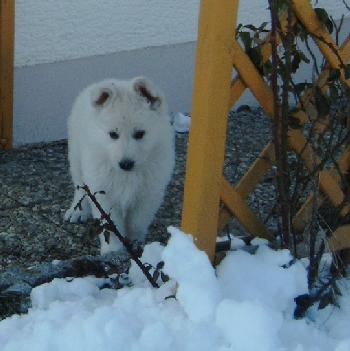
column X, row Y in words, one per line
column 130, row 117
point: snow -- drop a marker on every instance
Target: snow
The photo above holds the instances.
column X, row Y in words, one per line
column 246, row 304
column 182, row 122
column 198, row 293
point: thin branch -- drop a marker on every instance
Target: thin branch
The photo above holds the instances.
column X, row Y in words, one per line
column 346, row 5
column 112, row 228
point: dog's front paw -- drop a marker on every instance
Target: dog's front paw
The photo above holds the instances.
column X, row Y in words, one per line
column 111, row 245
column 73, row 215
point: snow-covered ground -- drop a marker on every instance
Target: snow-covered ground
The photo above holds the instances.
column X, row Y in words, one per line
column 246, row 305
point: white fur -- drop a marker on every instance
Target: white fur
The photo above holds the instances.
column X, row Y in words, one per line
column 131, row 197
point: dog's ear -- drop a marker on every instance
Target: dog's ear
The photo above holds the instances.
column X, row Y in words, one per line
column 102, row 95
column 144, row 88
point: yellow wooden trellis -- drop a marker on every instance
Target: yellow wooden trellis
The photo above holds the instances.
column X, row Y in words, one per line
column 7, row 9
column 214, row 94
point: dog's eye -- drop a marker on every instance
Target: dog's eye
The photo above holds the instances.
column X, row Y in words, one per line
column 114, row 135
column 139, row 134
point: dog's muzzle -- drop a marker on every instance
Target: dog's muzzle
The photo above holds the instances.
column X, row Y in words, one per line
column 126, row 164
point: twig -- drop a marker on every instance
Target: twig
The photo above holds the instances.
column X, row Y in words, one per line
column 346, row 5
column 112, row 228
column 279, row 123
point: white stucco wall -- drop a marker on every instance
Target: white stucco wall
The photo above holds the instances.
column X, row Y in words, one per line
column 56, row 30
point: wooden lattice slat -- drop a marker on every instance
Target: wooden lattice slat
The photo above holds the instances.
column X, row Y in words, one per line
column 235, row 203
column 247, row 184
column 252, row 79
column 248, row 77
column 259, row 168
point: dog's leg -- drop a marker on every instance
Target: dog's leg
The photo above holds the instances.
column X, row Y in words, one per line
column 141, row 215
column 78, row 213
column 82, row 212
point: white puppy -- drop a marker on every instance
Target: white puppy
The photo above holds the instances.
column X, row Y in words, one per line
column 121, row 142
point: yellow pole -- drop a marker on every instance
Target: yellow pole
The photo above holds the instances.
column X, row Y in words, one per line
column 7, row 10
column 211, row 96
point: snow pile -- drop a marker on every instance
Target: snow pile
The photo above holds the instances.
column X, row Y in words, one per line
column 198, row 291
column 246, row 305
column 181, row 122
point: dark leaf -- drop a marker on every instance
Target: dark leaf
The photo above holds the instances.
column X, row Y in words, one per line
column 256, row 57
column 303, row 302
column 251, row 27
column 296, row 62
column 164, row 277
column 246, row 39
column 267, row 68
column 334, row 74
column 160, row 265
column 300, row 31
column 303, row 57
column 95, row 229
column 324, row 18
column 322, row 103
column 294, row 122
column 262, row 27
column 300, row 87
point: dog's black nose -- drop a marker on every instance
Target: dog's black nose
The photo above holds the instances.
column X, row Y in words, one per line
column 126, row 164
